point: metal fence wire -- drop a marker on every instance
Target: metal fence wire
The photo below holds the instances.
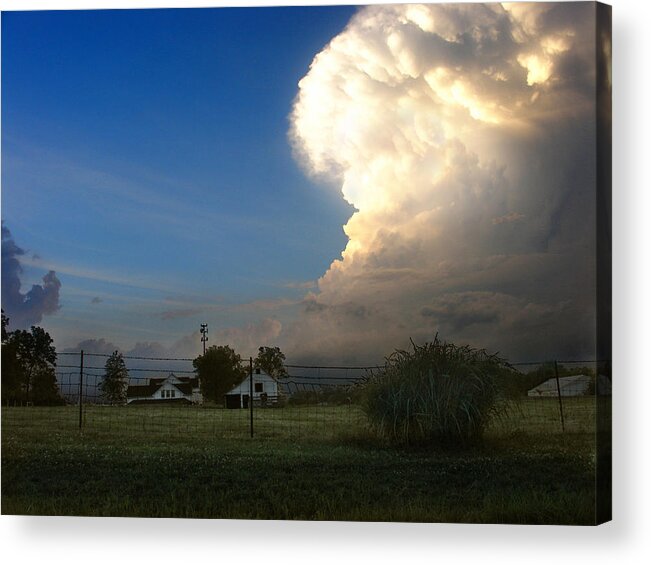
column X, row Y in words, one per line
column 309, row 402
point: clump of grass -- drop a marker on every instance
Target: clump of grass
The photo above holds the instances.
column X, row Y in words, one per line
column 439, row 393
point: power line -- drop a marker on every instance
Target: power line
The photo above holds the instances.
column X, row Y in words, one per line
column 135, row 357
column 291, row 366
column 131, row 369
column 332, row 367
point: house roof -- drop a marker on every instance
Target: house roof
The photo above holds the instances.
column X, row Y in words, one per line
column 166, row 401
column 185, row 385
column 574, row 383
column 143, row 390
column 185, row 388
column 243, row 385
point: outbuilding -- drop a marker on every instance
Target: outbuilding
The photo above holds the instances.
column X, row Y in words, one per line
column 574, row 385
column 266, row 391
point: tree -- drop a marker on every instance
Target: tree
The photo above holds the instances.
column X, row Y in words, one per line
column 45, row 391
column 5, row 325
column 272, row 361
column 116, row 379
column 219, row 370
column 11, row 369
column 31, row 363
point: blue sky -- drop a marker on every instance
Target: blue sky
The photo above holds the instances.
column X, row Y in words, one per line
column 145, row 160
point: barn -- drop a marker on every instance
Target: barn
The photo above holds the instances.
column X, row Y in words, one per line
column 574, row 385
column 266, row 391
column 168, row 390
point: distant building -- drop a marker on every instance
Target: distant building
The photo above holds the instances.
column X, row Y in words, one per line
column 171, row 389
column 266, row 391
column 574, row 385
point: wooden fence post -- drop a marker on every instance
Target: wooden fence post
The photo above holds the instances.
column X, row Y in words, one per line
column 81, row 387
column 251, row 393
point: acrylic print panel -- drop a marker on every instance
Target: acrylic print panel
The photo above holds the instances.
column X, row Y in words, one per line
column 308, row 263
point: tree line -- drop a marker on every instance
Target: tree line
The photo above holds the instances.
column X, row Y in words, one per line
column 29, row 364
column 219, row 369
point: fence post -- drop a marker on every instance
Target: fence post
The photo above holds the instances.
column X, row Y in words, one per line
column 251, row 393
column 81, row 387
column 560, row 398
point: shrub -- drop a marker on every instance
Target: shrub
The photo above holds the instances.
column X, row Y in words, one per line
column 438, row 393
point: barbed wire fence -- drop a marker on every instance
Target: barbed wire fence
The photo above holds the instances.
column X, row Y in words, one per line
column 556, row 397
column 311, row 401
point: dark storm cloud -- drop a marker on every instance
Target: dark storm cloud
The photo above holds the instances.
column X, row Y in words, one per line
column 25, row 309
column 98, row 346
column 464, row 309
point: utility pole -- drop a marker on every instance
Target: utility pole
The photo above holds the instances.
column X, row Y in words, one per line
column 204, row 336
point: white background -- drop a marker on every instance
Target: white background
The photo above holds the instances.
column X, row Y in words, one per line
column 627, row 539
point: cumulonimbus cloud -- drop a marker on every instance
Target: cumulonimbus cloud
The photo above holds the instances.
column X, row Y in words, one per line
column 25, row 309
column 463, row 135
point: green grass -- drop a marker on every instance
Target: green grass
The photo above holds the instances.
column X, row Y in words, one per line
column 303, row 463
column 106, row 422
column 542, row 416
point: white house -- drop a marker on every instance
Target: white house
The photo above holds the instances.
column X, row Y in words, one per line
column 266, row 391
column 171, row 389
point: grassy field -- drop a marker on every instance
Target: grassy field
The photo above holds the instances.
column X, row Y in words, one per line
column 531, row 416
column 315, row 462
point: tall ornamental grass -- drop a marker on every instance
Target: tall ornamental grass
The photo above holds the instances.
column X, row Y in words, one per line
column 439, row 393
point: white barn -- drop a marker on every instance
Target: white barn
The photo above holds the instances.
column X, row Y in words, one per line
column 574, row 385
column 265, row 391
column 171, row 389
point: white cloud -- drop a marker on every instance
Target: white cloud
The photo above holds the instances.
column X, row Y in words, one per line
column 462, row 135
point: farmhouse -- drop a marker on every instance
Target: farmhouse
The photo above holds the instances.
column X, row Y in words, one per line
column 266, row 391
column 575, row 385
column 171, row 389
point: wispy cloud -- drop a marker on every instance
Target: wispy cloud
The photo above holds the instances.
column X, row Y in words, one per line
column 264, row 304
column 306, row 285
column 207, row 307
column 103, row 275
column 138, row 196
column 180, row 313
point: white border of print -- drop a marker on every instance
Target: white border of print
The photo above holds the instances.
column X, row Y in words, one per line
column 109, row 540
